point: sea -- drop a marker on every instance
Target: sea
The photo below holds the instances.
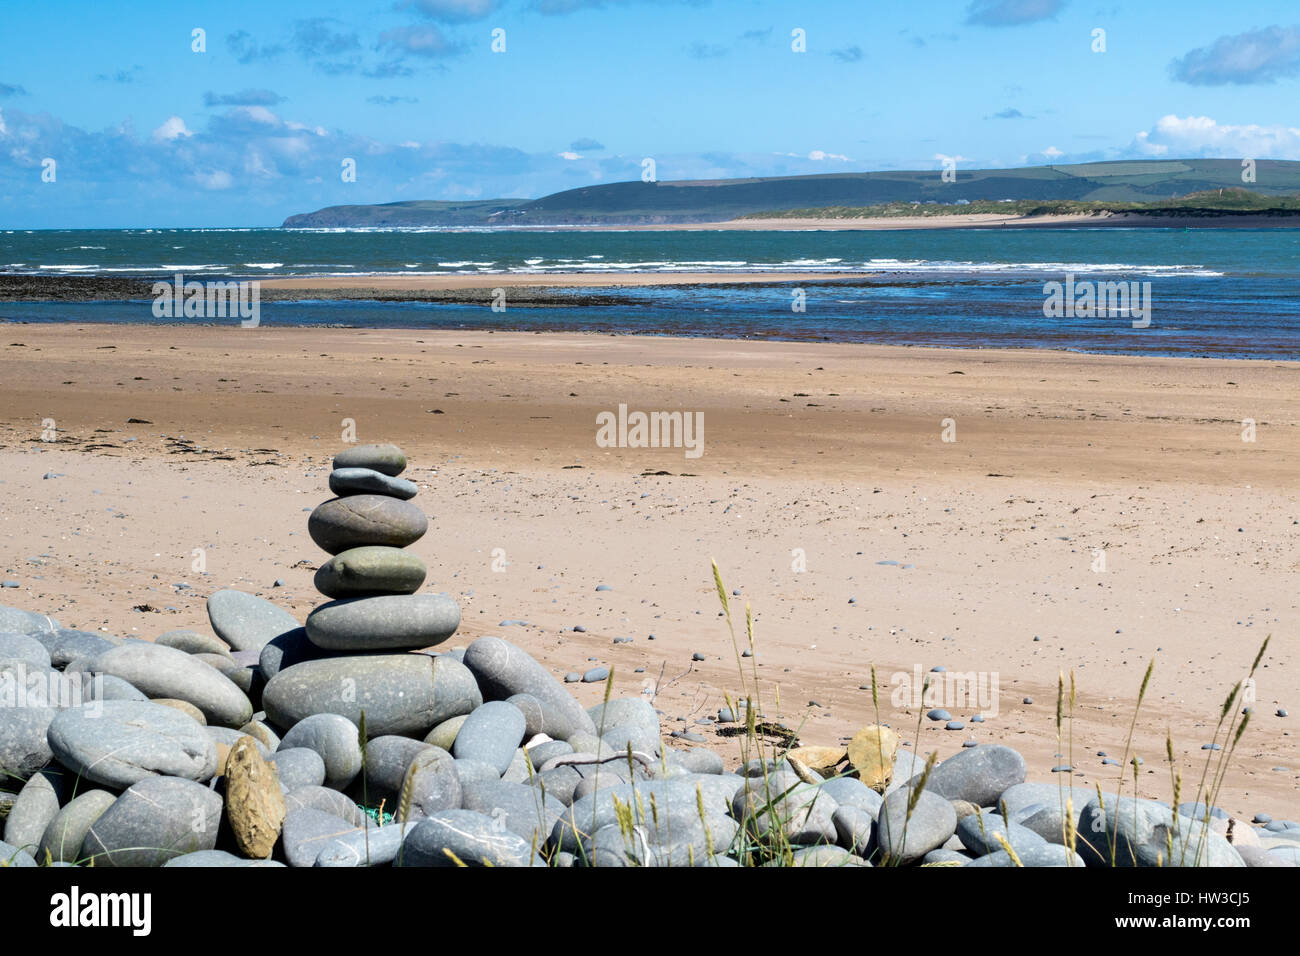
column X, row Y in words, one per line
column 1207, row 292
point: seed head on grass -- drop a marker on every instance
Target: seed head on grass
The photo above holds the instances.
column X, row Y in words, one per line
column 1015, row 859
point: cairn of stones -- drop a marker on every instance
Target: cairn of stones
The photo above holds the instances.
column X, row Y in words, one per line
column 372, row 581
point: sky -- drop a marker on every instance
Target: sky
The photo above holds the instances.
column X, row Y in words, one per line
column 241, row 113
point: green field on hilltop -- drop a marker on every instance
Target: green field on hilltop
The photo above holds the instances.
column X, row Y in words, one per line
column 1211, row 203
column 1083, row 187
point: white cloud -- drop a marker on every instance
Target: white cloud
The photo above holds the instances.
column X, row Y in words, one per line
column 1203, row 137
column 216, row 179
column 173, row 128
column 455, row 10
column 260, row 114
column 3, row 129
column 570, row 155
column 1053, row 153
column 819, row 155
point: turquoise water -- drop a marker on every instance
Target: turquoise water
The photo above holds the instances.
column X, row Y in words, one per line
column 1213, row 292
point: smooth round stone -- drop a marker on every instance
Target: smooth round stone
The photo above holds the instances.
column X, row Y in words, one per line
column 819, row 856
column 539, row 754
column 850, row 792
column 471, row 772
column 784, row 805
column 16, row 621
column 979, row 775
column 357, row 521
column 434, row 782
column 23, row 731
column 387, row 760
column 108, row 687
column 904, row 839
column 491, row 733
column 979, row 833
column 388, row 622
column 247, row 622
column 367, row 481
column 298, row 767
column 531, row 708
column 855, row 829
column 699, row 760
column 23, row 647
column 387, row 459
column 236, row 669
column 360, row 572
column 1040, row 855
column 518, row 771
column 327, row 801
column 69, row 646
column 160, row 671
column 503, row 670
column 155, row 820
column 444, row 735
column 36, row 805
column 517, row 807
column 289, row 649
column 595, row 675
column 119, row 742
column 1137, row 830
column 11, row 855
column 192, row 642
column 216, row 858
column 307, row 831
column 66, row 832
column 627, row 720
column 404, row 694
column 335, row 739
column 373, row 846
column 474, row 838
column 612, row 846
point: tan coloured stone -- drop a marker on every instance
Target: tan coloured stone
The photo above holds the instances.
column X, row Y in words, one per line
column 824, row 760
column 871, row 752
column 254, row 801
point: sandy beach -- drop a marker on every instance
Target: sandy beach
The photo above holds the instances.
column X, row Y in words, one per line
column 977, row 555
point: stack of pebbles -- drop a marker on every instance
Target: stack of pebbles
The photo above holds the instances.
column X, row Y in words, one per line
column 372, row 580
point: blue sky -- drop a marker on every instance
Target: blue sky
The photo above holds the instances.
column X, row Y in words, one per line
column 144, row 131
